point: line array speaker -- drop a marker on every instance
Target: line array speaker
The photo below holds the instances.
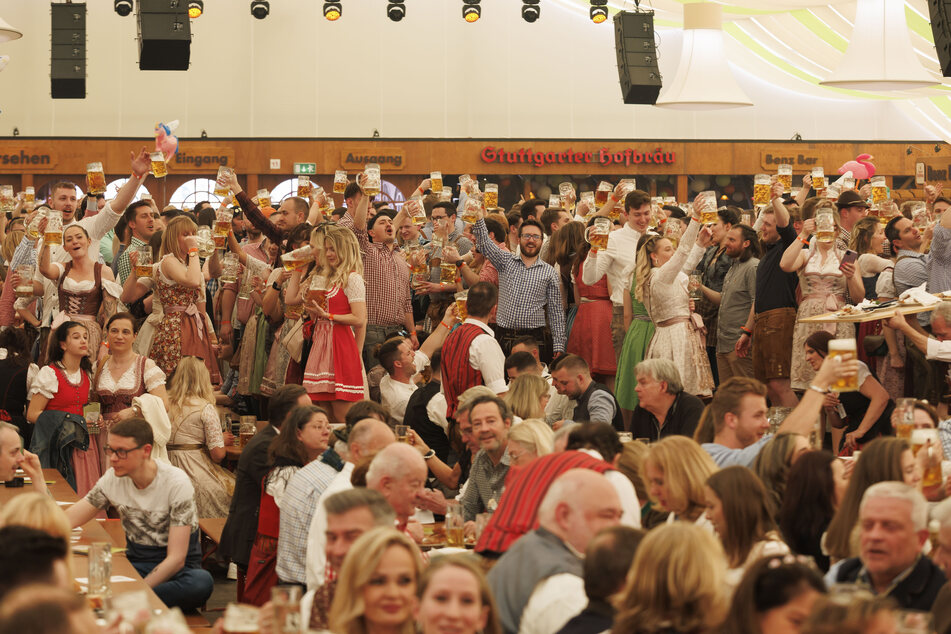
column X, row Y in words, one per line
column 637, row 56
column 68, row 51
column 164, row 34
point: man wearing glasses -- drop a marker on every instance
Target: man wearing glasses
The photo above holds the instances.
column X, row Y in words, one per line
column 156, row 503
column 529, row 289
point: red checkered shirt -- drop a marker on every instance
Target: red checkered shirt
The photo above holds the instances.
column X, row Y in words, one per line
column 387, row 278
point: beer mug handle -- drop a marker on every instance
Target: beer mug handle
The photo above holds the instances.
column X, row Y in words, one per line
column 587, row 232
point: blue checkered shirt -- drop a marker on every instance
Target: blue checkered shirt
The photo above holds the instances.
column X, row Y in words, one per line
column 525, row 292
column 297, row 509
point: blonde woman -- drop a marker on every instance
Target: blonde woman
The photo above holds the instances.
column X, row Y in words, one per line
column 333, row 371
column 675, row 473
column 184, row 328
column 39, row 511
column 528, row 396
column 676, row 583
column 196, row 443
column 661, row 274
column 529, row 440
column 376, row 589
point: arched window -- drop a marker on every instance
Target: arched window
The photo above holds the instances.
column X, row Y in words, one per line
column 391, row 194
column 113, row 188
column 282, row 190
column 193, row 192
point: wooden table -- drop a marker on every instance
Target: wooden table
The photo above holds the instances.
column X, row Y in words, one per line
column 92, row 532
column 869, row 315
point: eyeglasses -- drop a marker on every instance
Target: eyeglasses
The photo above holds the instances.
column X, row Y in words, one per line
column 531, row 236
column 122, row 454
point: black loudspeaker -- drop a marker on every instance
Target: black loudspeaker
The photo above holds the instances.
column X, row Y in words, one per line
column 637, row 56
column 68, row 51
column 941, row 29
column 164, row 34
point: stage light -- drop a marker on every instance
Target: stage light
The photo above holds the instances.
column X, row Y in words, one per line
column 123, row 7
column 260, row 8
column 599, row 11
column 195, row 8
column 333, row 11
column 396, row 10
column 471, row 11
column 530, row 10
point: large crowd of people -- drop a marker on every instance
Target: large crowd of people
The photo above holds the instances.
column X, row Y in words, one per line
column 627, row 411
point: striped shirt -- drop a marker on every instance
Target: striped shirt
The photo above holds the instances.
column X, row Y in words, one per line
column 526, row 293
column 297, row 509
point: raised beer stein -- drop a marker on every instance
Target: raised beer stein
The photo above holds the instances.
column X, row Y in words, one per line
column 761, row 186
column 825, row 225
column 597, row 234
column 95, row 178
column 708, row 207
column 159, row 168
column 491, row 198
column 54, row 227
column 340, row 181
column 435, row 182
column 818, row 180
column 373, row 180
column 846, row 349
column 223, row 181
column 566, row 192
column 602, row 192
column 784, row 176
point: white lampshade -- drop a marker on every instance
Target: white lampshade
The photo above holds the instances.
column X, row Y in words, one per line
column 703, row 80
column 8, row 33
column 880, row 56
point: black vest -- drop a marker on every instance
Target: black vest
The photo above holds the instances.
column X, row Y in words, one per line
column 417, row 418
column 581, row 409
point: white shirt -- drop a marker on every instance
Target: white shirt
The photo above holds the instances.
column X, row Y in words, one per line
column 627, row 495
column 554, row 602
column 617, row 262
column 317, row 535
column 395, row 395
column 486, row 356
column 939, row 350
column 559, row 407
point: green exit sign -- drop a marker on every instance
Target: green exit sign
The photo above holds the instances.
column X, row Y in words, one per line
column 305, row 168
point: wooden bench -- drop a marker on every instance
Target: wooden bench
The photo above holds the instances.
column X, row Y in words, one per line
column 211, row 529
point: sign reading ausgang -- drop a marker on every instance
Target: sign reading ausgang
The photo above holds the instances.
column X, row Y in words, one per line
column 386, row 158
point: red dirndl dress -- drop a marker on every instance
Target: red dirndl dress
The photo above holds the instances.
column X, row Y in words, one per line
column 334, row 370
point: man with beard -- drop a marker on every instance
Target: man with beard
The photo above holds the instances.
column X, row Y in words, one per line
column 528, row 289
column 735, row 300
column 138, row 217
column 292, row 212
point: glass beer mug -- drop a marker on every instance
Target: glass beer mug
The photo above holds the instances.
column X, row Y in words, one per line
column 143, row 262
column 554, row 201
column 461, row 298
column 159, row 168
column 846, row 349
column 597, row 234
column 371, row 186
column 904, row 418
column 818, row 180
column 206, row 244
column 223, row 181
column 416, row 211
column 95, row 178
column 471, row 211
column 566, row 192
column 445, row 196
column 229, row 268
column 264, row 198
column 602, row 192
column 708, row 207
column 435, row 179
column 761, row 186
column 340, row 181
column 587, row 198
column 24, row 287
column 7, row 199
column 298, row 258
column 491, row 198
column 317, row 291
column 825, row 225
column 447, row 273
column 879, row 191
column 54, row 227
column 304, row 186
column 784, row 176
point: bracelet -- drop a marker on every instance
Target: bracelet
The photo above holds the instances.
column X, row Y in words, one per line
column 193, row 251
column 615, row 198
column 444, row 325
column 804, row 241
column 331, row 315
column 746, row 331
column 460, row 264
column 429, row 454
column 139, row 176
column 816, row 388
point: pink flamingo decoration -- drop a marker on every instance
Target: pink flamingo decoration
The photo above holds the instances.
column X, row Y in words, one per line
column 861, row 167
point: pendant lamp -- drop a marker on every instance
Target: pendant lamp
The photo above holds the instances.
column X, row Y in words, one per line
column 8, row 33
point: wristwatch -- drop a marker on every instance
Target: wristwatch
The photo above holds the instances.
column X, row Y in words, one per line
column 275, row 287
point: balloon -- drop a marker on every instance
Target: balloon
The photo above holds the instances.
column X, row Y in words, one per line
column 723, row 181
column 165, row 141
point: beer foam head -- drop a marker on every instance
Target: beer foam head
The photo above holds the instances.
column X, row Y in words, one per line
column 922, row 436
column 842, row 345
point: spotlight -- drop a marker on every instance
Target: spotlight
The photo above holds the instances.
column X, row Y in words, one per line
column 599, row 11
column 195, row 8
column 396, row 10
column 937, row 148
column 333, row 11
column 530, row 10
column 204, row 134
column 908, row 150
column 471, row 11
column 123, row 7
column 260, row 8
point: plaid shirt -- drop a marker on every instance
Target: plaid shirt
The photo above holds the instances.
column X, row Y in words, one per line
column 525, row 293
column 297, row 508
column 387, row 276
column 124, row 267
column 484, row 484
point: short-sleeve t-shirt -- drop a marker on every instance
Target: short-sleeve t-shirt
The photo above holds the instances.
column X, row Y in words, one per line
column 147, row 514
column 774, row 287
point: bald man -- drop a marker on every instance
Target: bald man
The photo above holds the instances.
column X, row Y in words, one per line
column 539, row 582
column 367, row 438
column 399, row 473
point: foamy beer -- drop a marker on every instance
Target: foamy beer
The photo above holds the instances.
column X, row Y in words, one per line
column 240, row 619
column 932, row 476
column 264, row 198
column 566, row 191
column 223, row 181
column 220, row 242
column 340, row 181
column 825, row 225
column 7, row 199
column 670, row 200
column 229, row 268
column 554, row 201
column 447, row 273
column 247, row 283
column 247, row 429
column 24, row 287
column 143, row 262
column 304, row 186
column 601, row 193
column 761, row 186
column 33, row 229
column 293, row 311
column 461, row 305
column 784, row 176
column 844, row 348
column 746, row 218
column 445, row 195
column 491, row 198
column 708, row 207
column 54, row 227
column 468, row 184
column 471, row 211
column 206, row 244
column 298, row 258
column 373, row 182
column 454, row 524
column 597, row 234
column 159, row 168
column 818, row 180
column 416, row 211
column 95, row 179
column 223, row 222
column 879, row 190
column 921, row 437
column 588, row 199
column 29, row 196
column 904, row 418
column 317, row 290
column 435, row 179
column 848, row 183
column 919, row 217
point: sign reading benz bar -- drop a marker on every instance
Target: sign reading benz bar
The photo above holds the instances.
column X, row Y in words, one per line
column 386, row 158
column 603, row 156
column 799, row 160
